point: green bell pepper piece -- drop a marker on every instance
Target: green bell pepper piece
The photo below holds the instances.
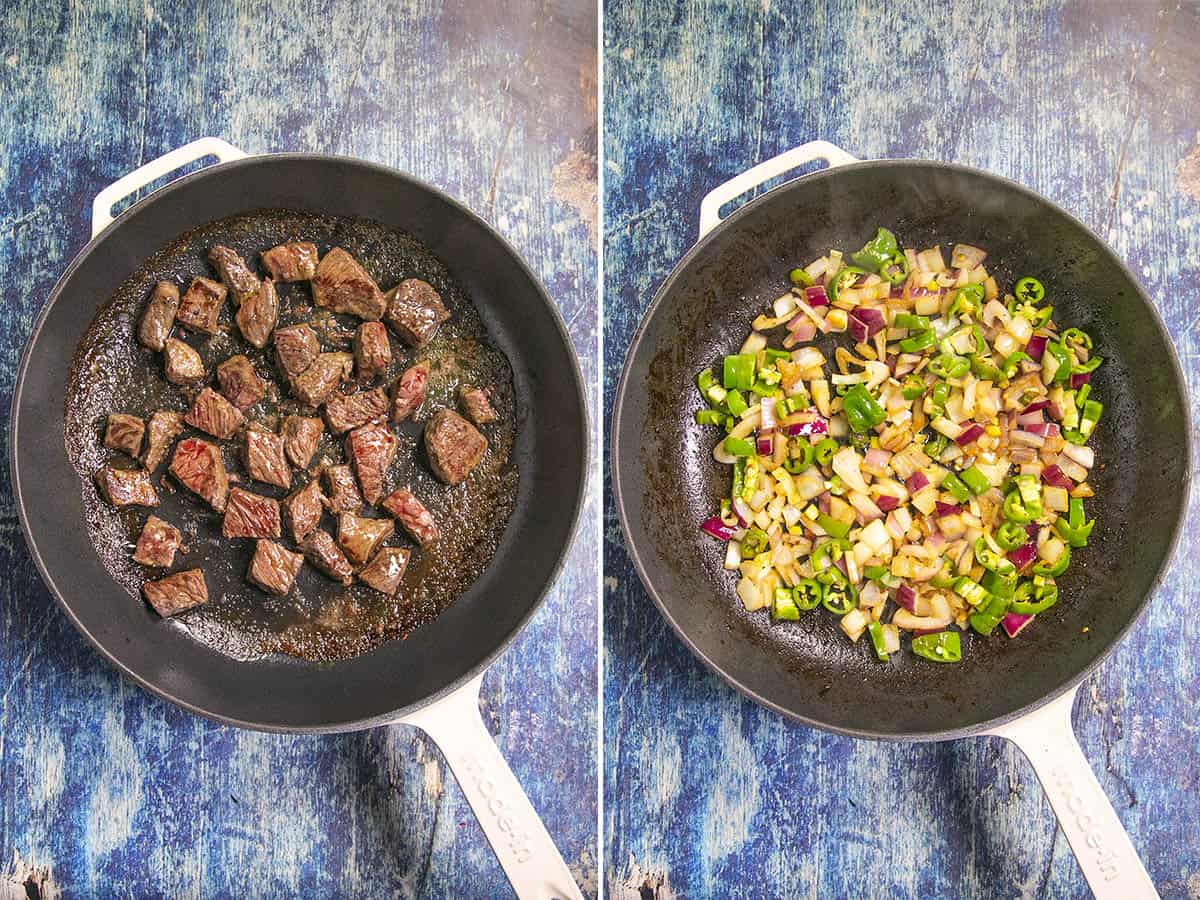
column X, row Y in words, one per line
column 876, row 631
column 863, row 411
column 738, row 371
column 943, row 647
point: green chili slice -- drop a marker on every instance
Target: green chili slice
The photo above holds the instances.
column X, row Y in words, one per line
column 800, row 278
column 840, row 597
column 739, row 446
column 989, row 615
column 948, row 365
column 824, row 451
column 914, row 387
column 754, row 543
column 938, row 397
column 935, row 446
column 968, row 300
column 992, row 560
column 877, row 252
column 1044, row 597
column 1074, row 336
column 735, row 402
column 832, row 526
column 863, row 411
column 954, row 486
column 797, row 464
column 911, row 322
column 1011, row 535
column 922, row 340
column 1012, row 363
column 1014, row 509
column 710, row 417
column 970, row 590
column 895, row 271
column 974, row 479
column 943, row 647
column 877, row 640
column 844, row 279
column 1029, row 290
column 783, row 605
column 738, row 371
column 1058, row 568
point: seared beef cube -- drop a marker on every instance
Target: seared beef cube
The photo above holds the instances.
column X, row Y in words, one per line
column 258, row 314
column 412, row 514
column 201, row 305
column 181, row 363
column 249, row 515
column 386, row 570
column 126, row 487
column 321, row 550
column 264, row 459
column 346, row 411
column 302, row 510
column 197, row 465
column 274, row 567
column 240, row 383
column 372, row 351
column 157, row 543
column 300, row 437
column 477, row 405
column 177, row 593
column 295, row 348
column 343, row 490
column 124, row 433
column 344, row 286
column 454, row 445
column 360, row 537
column 214, row 414
column 164, row 427
column 236, row 275
column 294, row 261
column 409, row 391
column 314, row 385
column 415, row 310
column 155, row 327
column 370, row 450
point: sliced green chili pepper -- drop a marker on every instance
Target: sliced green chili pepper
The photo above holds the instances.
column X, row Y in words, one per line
column 877, row 252
column 992, row 560
column 738, row 371
column 969, row 590
column 739, row 476
column 710, row 417
column 948, row 365
column 985, row 371
column 896, row 270
column 1089, row 417
column 875, row 573
column 989, row 615
column 763, row 389
column 750, row 482
column 877, row 641
column 1058, row 568
column 1029, row 290
column 824, row 451
column 809, row 593
column 754, row 543
column 1010, row 535
column 1060, row 354
column 914, row 387
column 713, row 392
column 739, row 446
column 911, row 322
column 935, row 446
column 1012, row 363
column 975, row 479
column 954, row 486
column 968, row 299
column 1014, row 510
column 1030, row 490
column 938, row 397
column 783, row 605
column 772, row 356
column 1076, row 536
column 1000, row 585
column 1077, row 336
column 1044, row 597
column 736, row 402
column 797, row 464
column 1091, row 365
column 824, row 555
column 801, row 278
column 844, row 279
column 922, row 340
column 832, row 526
column 943, row 647
column 840, row 597
column 862, row 410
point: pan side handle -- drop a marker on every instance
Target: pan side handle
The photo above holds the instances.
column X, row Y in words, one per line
column 710, row 206
column 534, row 867
column 152, row 171
column 1098, row 839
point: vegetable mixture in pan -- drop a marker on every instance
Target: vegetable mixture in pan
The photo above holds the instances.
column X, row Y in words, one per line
column 933, row 477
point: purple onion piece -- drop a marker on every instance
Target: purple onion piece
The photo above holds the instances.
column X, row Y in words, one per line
column 1014, row 623
column 969, row 435
column 816, row 296
column 716, row 528
column 1055, row 477
column 1023, row 555
column 907, row 597
column 1036, row 348
column 917, row 481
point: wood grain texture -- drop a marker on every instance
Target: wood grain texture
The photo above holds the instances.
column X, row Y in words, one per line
column 1091, row 104
column 105, row 790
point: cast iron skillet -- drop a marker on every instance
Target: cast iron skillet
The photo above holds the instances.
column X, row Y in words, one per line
column 401, row 678
column 666, row 481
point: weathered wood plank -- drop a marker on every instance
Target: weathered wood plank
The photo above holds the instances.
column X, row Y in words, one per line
column 107, row 791
column 1091, row 104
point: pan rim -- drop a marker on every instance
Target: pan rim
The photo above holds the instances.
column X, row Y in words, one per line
column 695, row 252
column 576, row 380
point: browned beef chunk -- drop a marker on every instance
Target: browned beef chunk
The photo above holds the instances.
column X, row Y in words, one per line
column 300, row 437
column 386, row 570
column 198, row 466
column 124, row 433
column 415, row 310
column 215, row 415
column 236, row 275
column 359, row 537
column 454, row 445
column 314, row 385
column 157, row 543
column 201, row 305
column 249, row 515
column 370, row 450
column 274, row 567
column 296, row 346
column 412, row 514
column 257, row 315
column 343, row 490
column 177, row 593
column 321, row 550
column 409, row 391
column 181, row 363
column 302, row 510
column 164, row 427
column 346, row 411
column 263, row 455
column 240, row 383
column 477, row 405
column 372, row 351
column 155, row 327
column 294, row 261
column 344, row 286
column 126, row 487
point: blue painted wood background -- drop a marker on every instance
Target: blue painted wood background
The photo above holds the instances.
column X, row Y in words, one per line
column 107, row 791
column 1091, row 104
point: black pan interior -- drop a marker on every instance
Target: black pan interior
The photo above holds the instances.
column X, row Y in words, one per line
column 549, row 450
column 667, row 482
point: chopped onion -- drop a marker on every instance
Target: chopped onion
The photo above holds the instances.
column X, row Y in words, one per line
column 816, row 295
column 906, row 597
column 1023, row 555
column 916, row 481
column 754, row 342
column 1036, row 348
column 947, row 509
column 1031, row 418
column 969, row 434
column 716, row 528
column 887, row 502
column 765, row 443
column 964, row 256
column 784, row 305
column 1079, row 379
column 1014, row 623
column 767, row 413
column 1083, row 455
column 846, row 464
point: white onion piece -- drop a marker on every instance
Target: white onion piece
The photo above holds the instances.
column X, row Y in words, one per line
column 906, row 620
column 721, row 455
column 965, row 256
column 754, row 343
column 784, row 305
column 846, row 464
column 1081, row 454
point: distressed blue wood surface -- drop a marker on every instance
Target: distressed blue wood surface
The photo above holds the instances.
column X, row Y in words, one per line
column 105, row 790
column 1092, row 105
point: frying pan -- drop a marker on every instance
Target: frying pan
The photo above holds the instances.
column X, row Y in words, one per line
column 665, row 480
column 432, row 678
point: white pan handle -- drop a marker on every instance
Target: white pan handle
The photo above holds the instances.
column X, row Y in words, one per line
column 152, row 171
column 710, row 206
column 534, row 867
column 1102, row 847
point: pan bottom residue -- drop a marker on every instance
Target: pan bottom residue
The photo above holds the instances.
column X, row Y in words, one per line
column 319, row 620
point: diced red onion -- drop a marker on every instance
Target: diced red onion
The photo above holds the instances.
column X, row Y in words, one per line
column 767, row 412
column 917, row 632
column 936, row 540
column 858, row 329
column 1031, row 418
column 742, row 510
column 1032, row 529
column 1079, row 379
column 946, row 509
column 1014, row 623
column 766, row 443
column 823, row 502
column 1023, row 555
column 1036, row 406
column 1054, row 411
column 816, row 426
column 1044, row 429
column 816, row 296
column 801, row 329
column 872, row 318
column 886, row 502
column 916, row 481
column 1036, row 348
column 906, row 597
column 970, row 434
column 714, row 527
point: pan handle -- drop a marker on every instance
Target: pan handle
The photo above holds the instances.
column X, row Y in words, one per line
column 1099, row 840
column 534, row 867
column 710, row 206
column 152, row 171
